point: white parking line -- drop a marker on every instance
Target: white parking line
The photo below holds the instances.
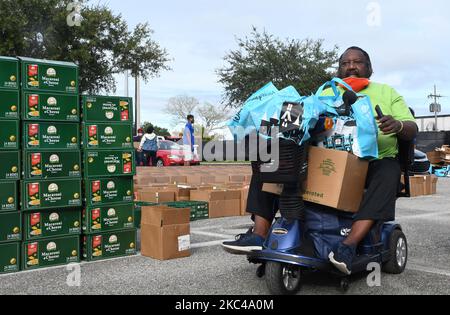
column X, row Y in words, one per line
column 425, row 215
column 225, row 236
column 429, row 270
column 207, row 244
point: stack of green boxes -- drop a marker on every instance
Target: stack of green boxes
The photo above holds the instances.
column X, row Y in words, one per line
column 51, row 187
column 109, row 166
column 10, row 217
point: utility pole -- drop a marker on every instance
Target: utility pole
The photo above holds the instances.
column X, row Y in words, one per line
column 137, row 102
column 435, row 107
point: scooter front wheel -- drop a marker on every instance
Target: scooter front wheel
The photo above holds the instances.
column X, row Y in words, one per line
column 283, row 279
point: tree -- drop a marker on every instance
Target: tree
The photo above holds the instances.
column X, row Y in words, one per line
column 180, row 107
column 212, row 117
column 262, row 58
column 101, row 44
column 159, row 131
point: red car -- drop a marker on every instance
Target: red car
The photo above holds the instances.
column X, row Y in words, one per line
column 171, row 154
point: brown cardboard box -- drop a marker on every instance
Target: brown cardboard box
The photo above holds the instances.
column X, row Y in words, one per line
column 166, row 242
column 156, row 196
column 207, row 179
column 244, row 197
column 178, row 179
column 222, row 178
column 163, row 215
column 165, row 232
column 237, row 178
column 417, row 185
column 431, row 185
column 194, row 179
column 434, row 157
column 434, row 181
column 208, row 195
column 162, row 180
column 184, row 193
column 145, row 180
column 222, row 203
column 335, row 179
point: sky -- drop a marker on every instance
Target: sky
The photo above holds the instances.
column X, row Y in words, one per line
column 408, row 41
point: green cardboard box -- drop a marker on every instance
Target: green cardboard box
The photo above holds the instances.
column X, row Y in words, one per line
column 109, row 245
column 52, row 76
column 51, row 223
column 48, row 194
column 50, row 252
column 48, row 106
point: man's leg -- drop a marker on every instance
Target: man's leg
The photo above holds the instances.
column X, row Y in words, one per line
column 378, row 205
column 263, row 207
column 359, row 231
column 262, row 226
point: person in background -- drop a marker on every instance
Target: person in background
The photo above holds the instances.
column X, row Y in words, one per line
column 149, row 146
column 188, row 140
column 139, row 154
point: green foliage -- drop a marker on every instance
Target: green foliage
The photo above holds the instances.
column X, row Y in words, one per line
column 101, row 45
column 159, row 131
column 262, row 58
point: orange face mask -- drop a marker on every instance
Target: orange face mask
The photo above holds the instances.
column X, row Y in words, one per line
column 357, row 84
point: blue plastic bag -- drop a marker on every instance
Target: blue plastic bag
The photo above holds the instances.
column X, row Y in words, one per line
column 242, row 124
column 365, row 134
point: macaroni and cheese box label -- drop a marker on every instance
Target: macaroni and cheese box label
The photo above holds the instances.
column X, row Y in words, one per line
column 52, row 223
column 107, row 136
column 50, row 135
column 52, row 164
column 50, row 107
column 108, row 218
column 51, row 76
column 107, row 109
column 109, row 245
column 45, row 194
column 109, row 163
column 50, row 252
column 106, row 191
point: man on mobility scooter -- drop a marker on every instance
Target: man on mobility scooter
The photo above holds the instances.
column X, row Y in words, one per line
column 396, row 124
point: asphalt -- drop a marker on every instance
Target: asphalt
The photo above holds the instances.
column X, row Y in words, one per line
column 209, row 270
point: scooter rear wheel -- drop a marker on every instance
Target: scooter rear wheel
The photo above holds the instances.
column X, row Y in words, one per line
column 283, row 279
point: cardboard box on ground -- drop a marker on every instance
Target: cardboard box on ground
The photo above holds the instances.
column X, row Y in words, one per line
column 335, row 179
column 440, row 155
column 422, row 185
column 165, row 232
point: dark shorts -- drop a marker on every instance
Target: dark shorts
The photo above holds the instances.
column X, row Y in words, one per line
column 378, row 204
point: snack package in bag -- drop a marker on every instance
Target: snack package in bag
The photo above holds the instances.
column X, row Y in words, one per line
column 356, row 131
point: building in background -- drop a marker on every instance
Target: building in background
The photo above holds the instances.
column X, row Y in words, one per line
column 426, row 123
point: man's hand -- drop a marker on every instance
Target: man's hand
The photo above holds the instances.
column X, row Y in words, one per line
column 388, row 125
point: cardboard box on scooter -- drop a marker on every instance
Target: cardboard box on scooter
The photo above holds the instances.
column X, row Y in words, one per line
column 335, row 179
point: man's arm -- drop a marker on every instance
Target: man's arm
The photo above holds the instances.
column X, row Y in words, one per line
column 401, row 122
column 405, row 130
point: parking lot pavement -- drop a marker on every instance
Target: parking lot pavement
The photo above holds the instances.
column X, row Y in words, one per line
column 425, row 220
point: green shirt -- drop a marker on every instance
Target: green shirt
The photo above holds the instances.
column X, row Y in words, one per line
column 391, row 103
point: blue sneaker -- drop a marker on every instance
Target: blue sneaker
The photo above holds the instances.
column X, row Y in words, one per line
column 244, row 244
column 343, row 258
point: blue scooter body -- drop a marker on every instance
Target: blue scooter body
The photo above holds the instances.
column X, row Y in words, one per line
column 289, row 243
